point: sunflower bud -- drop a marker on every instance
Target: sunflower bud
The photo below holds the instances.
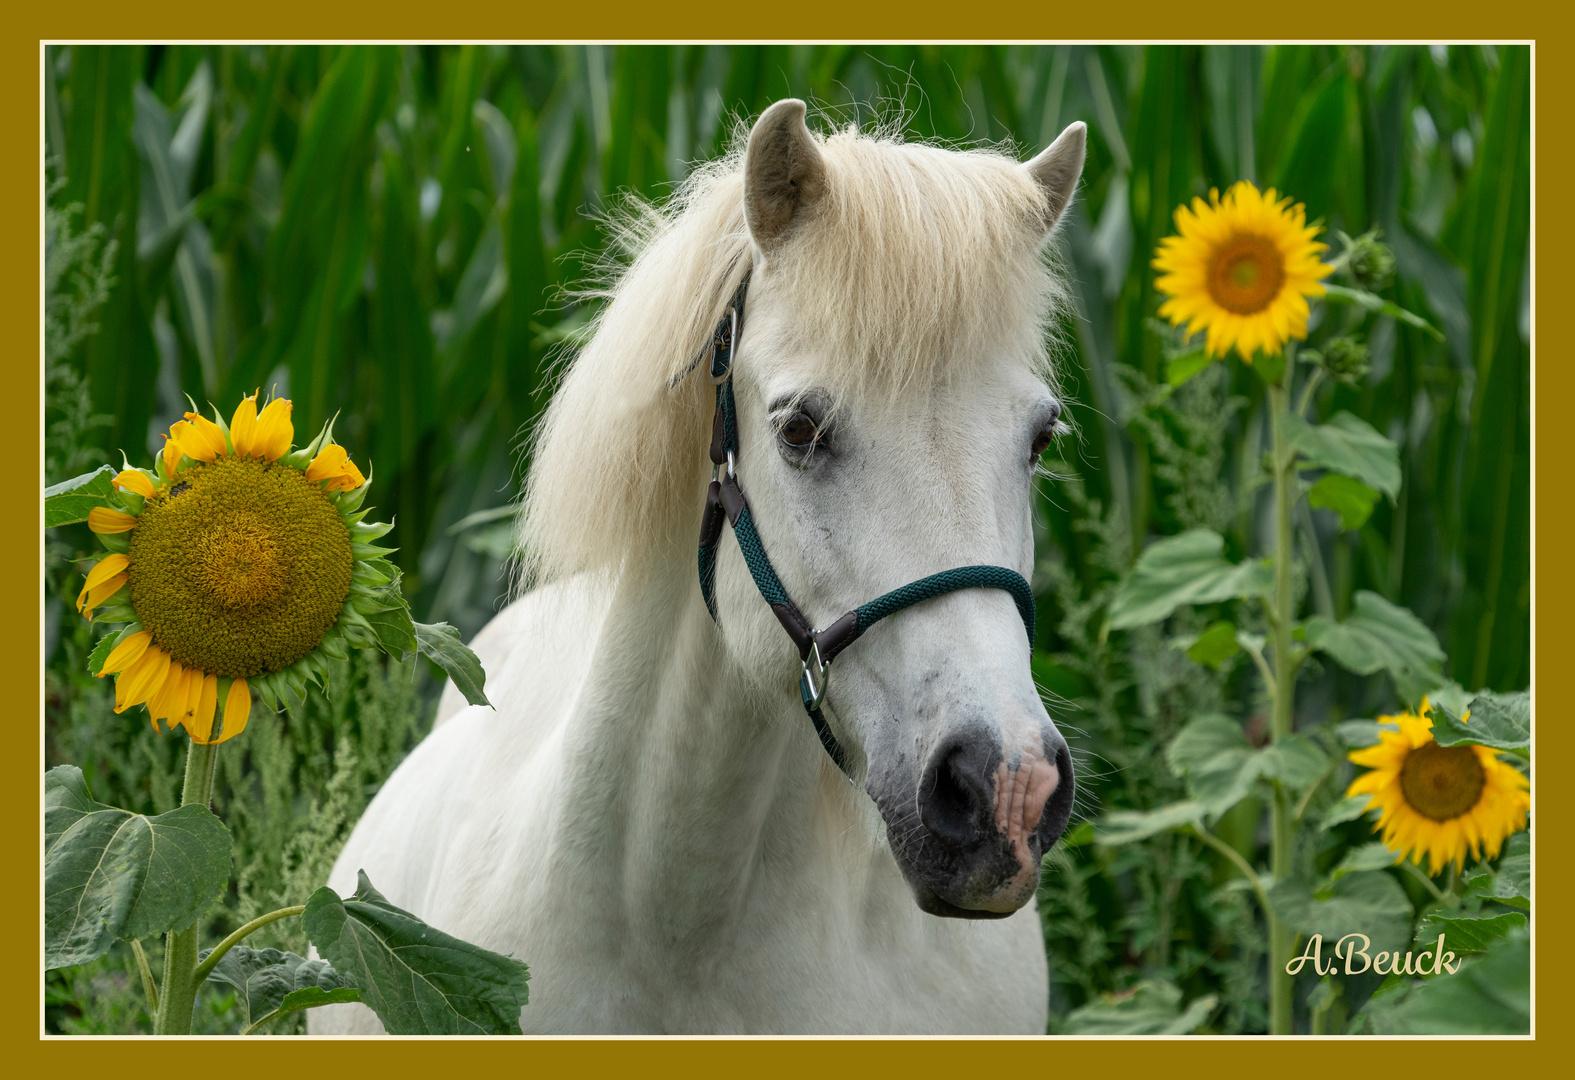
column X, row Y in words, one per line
column 1370, row 261
column 1344, row 358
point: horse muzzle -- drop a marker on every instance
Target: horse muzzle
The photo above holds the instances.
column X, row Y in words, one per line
column 969, row 840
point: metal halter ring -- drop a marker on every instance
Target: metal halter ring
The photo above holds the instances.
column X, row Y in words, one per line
column 718, row 378
column 813, row 695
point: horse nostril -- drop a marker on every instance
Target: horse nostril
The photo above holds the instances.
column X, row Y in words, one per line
column 1058, row 812
column 952, row 795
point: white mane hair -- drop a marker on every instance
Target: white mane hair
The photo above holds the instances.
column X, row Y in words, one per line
column 916, row 265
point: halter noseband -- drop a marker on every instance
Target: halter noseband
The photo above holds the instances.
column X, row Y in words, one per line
column 816, row 648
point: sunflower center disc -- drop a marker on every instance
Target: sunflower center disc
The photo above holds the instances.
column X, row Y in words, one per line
column 1246, row 274
column 241, row 568
column 1442, row 782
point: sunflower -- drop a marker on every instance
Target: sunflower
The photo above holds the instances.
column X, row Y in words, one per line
column 1441, row 800
column 1241, row 270
column 237, row 565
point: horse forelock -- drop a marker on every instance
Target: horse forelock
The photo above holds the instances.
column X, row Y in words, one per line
column 919, row 264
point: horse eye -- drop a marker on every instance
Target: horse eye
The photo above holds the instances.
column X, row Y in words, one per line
column 1043, row 440
column 800, row 431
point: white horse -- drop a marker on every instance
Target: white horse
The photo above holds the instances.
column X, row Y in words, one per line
column 648, row 818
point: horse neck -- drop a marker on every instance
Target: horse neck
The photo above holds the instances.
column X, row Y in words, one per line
column 685, row 767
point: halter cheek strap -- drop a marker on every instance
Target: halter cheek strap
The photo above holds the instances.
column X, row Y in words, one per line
column 816, row 648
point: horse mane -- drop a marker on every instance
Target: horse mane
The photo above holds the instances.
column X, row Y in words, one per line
column 918, row 263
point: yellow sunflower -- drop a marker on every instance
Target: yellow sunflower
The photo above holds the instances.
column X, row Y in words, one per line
column 1241, row 270
column 238, row 565
column 1442, row 800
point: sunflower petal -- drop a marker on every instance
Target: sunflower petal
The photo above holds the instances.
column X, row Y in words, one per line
column 106, row 568
column 140, row 681
column 126, row 653
column 237, row 707
column 101, row 519
column 200, row 724
column 134, row 481
column 211, row 435
column 99, row 593
column 243, row 426
column 192, row 444
column 172, row 455
column 275, row 432
column 328, row 462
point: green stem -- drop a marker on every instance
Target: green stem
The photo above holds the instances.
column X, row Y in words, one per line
column 179, row 992
column 234, row 939
column 149, row 987
column 1282, row 942
column 1416, row 871
column 1237, row 861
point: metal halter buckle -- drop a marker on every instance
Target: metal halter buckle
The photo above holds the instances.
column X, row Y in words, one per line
column 808, row 689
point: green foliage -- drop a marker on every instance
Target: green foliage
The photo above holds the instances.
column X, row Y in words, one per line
column 1348, row 445
column 111, row 874
column 1149, row 1008
column 1502, row 721
column 441, row 644
column 419, row 980
column 1351, row 499
column 1378, row 636
column 268, row 982
column 1184, row 569
column 69, row 501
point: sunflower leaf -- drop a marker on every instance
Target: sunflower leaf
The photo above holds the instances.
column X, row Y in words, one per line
column 396, row 634
column 1213, row 755
column 101, row 651
column 1128, row 826
column 419, row 980
column 1350, row 499
column 440, row 643
column 1178, row 369
column 1369, row 902
column 1339, row 294
column 1214, row 646
column 1501, row 721
column 69, row 501
column 1378, row 636
column 1488, row 994
column 1185, row 569
column 264, row 980
column 1149, row 1008
column 1467, row 931
column 110, row 874
column 1348, row 445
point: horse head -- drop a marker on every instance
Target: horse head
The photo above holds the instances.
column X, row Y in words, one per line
column 894, row 393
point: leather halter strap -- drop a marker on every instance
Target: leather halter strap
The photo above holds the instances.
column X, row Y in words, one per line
column 725, row 500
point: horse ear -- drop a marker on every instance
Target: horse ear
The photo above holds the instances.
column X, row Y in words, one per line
column 783, row 171
column 1057, row 169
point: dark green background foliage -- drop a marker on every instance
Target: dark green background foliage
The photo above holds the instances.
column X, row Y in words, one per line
column 385, row 233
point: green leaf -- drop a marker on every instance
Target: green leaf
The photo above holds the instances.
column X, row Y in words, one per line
column 111, row 874
column 396, row 634
column 264, row 979
column 69, row 501
column 1215, row 645
column 101, row 651
column 1378, row 636
column 1339, row 294
column 1212, row 754
column 1127, row 826
column 1347, row 809
column 1348, row 445
column 1295, row 761
column 1359, row 733
column 1351, row 499
column 1501, row 721
column 440, row 643
column 1488, row 995
column 1149, row 1008
column 1513, row 885
column 1467, row 931
column 1178, row 369
column 419, row 980
column 1369, row 902
column 1184, row 569
column 1374, row 856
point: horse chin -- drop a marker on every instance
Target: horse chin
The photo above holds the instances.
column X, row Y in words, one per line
column 930, row 903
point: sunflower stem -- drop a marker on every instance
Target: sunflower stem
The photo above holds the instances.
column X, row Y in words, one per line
column 178, row 994
column 1282, row 941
